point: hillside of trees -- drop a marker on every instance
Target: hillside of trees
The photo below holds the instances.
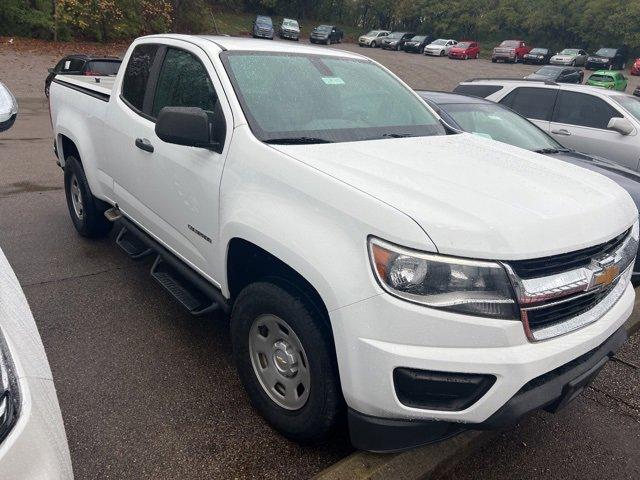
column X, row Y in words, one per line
column 579, row 23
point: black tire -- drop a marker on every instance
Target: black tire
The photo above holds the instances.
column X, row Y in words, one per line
column 373, row 44
column 91, row 222
column 324, row 407
column 493, row 60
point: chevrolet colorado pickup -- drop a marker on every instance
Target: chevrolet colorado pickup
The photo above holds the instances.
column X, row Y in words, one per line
column 373, row 262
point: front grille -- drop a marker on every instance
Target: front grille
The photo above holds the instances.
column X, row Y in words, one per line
column 544, row 266
column 560, row 312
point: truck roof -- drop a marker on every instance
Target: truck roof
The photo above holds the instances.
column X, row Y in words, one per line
column 257, row 45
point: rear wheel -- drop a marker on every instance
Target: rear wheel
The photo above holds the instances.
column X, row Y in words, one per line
column 477, row 55
column 283, row 351
column 86, row 211
column 466, row 57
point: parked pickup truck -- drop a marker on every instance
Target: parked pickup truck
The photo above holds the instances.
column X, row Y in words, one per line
column 510, row 51
column 372, row 261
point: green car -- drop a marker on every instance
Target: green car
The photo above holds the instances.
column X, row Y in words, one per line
column 608, row 79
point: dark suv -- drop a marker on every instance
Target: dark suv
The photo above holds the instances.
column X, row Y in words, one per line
column 263, row 27
column 608, row 58
column 326, row 34
column 83, row 65
column 396, row 40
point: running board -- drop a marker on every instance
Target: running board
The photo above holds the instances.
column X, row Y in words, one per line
column 194, row 292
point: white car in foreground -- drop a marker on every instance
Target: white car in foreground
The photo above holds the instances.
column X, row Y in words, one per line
column 33, row 443
column 371, row 259
column 440, row 47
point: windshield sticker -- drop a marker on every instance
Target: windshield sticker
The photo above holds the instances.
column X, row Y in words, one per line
column 333, row 80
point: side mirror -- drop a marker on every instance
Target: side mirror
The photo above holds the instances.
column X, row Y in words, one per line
column 620, row 125
column 188, row 126
column 8, row 108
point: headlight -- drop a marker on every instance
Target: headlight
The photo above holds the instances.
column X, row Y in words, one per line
column 9, row 394
column 458, row 285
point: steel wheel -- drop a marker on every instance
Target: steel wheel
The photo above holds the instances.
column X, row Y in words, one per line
column 76, row 197
column 279, row 362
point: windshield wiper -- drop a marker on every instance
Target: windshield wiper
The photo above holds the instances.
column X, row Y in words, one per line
column 397, row 135
column 297, row 140
column 552, row 150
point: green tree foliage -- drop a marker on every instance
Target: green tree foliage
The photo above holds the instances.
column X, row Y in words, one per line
column 554, row 23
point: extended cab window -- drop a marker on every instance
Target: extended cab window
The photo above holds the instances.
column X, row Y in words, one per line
column 134, row 83
column 183, row 82
column 536, row 103
column 583, row 110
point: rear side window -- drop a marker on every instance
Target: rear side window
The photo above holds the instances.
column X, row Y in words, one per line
column 482, row 91
column 536, row 103
column 583, row 110
column 183, row 82
column 134, row 83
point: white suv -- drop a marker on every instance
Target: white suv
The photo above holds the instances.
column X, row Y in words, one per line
column 587, row 119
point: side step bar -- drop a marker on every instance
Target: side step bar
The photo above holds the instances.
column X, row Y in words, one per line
column 195, row 293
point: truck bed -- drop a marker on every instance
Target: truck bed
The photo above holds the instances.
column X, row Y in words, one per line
column 99, row 87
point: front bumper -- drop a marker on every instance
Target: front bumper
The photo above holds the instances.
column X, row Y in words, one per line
column 290, row 35
column 36, row 447
column 533, row 60
column 551, row 391
column 389, row 46
column 596, row 65
column 564, row 63
column 507, row 57
column 383, row 333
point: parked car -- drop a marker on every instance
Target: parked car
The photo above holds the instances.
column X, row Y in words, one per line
column 417, row 43
column 326, row 34
column 608, row 58
column 608, row 79
column 8, row 108
column 635, row 69
column 464, row 50
column 434, row 282
column 396, row 40
column 263, row 27
column 373, row 38
column 81, row 64
column 510, row 51
column 553, row 73
column 537, row 56
column 569, row 56
column 636, row 92
column 597, row 121
column 497, row 122
column 440, row 47
column 33, row 442
column 289, row 29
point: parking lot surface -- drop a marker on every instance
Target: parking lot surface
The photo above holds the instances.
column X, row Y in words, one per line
column 147, row 391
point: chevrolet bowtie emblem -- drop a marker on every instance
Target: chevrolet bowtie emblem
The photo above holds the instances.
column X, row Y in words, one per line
column 607, row 275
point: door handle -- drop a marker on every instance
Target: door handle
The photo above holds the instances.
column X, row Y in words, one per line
column 562, row 131
column 144, row 144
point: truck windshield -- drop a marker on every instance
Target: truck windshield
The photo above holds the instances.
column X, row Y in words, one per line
column 310, row 98
column 498, row 123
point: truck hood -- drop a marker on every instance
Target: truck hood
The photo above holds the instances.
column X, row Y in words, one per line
column 478, row 198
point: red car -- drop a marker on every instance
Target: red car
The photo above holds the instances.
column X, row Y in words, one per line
column 465, row 49
column 635, row 69
column 510, row 51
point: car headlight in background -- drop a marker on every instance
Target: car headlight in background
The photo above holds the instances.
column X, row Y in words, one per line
column 9, row 393
column 470, row 287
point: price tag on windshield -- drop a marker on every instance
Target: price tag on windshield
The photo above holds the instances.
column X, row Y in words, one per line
column 333, row 80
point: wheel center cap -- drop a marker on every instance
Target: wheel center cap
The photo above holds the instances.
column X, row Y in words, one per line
column 285, row 358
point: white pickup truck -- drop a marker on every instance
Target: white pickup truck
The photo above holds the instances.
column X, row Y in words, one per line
column 373, row 262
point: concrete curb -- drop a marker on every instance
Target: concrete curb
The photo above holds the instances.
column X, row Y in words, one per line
column 427, row 461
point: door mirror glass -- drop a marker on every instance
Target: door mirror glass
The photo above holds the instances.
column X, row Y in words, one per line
column 8, row 108
column 188, row 126
column 620, row 125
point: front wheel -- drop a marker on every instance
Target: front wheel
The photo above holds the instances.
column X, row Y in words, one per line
column 477, row 55
column 373, row 44
column 442, row 53
column 283, row 351
column 86, row 211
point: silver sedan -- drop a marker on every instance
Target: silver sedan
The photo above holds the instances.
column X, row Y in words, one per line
column 570, row 56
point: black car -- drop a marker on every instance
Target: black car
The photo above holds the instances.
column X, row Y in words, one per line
column 554, row 73
column 263, row 27
column 537, row 56
column 396, row 40
column 326, row 34
column 417, row 43
column 497, row 122
column 608, row 59
column 636, row 92
column 83, row 65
